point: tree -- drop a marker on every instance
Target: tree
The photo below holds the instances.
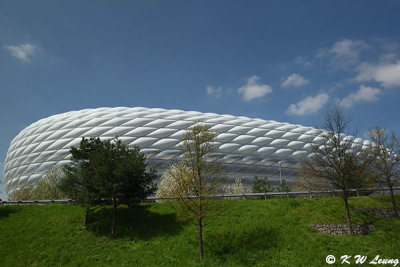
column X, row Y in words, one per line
column 79, row 183
column 283, row 187
column 306, row 181
column 76, row 185
column 174, row 183
column 261, row 185
column 337, row 159
column 48, row 186
column 26, row 192
column 386, row 150
column 197, row 177
column 108, row 171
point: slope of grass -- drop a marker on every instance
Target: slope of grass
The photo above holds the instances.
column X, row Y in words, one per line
column 249, row 233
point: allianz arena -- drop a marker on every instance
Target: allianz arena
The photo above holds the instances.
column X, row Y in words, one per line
column 246, row 146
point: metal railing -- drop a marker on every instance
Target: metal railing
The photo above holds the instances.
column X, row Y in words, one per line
column 307, row 194
column 310, row 194
column 30, row 202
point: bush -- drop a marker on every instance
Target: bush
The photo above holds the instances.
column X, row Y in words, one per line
column 236, row 188
column 47, row 188
column 261, row 185
column 26, row 192
column 283, row 187
column 170, row 186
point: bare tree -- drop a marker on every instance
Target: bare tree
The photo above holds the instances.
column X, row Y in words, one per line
column 196, row 179
column 48, row 187
column 307, row 181
column 337, row 158
column 26, row 192
column 386, row 148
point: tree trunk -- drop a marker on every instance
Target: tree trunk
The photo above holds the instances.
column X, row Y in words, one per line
column 201, row 238
column 346, row 205
column 396, row 212
column 114, row 224
column 86, row 219
column 200, row 211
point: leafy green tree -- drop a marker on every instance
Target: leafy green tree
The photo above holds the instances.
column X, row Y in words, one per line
column 197, row 178
column 76, row 184
column 336, row 159
column 386, row 151
column 108, row 171
column 261, row 185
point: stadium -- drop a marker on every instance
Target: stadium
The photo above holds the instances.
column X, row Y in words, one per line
column 246, row 146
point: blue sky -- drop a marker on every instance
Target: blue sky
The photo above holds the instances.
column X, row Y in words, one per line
column 278, row 60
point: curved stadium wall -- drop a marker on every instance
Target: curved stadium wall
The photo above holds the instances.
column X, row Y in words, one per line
column 246, row 146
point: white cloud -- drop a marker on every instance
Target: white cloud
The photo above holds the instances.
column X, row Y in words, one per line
column 388, row 74
column 23, row 51
column 364, row 94
column 344, row 53
column 214, row 91
column 345, row 47
column 387, row 58
column 303, row 61
column 252, row 89
column 295, row 80
column 308, row 105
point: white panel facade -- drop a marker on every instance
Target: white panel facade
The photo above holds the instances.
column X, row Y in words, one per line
column 247, row 146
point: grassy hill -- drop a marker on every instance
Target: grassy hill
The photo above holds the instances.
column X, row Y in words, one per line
column 250, row 233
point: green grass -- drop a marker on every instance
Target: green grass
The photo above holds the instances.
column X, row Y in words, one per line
column 250, row 233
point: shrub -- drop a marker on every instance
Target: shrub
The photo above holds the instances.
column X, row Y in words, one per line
column 236, row 188
column 48, row 187
column 170, row 186
column 261, row 185
column 26, row 192
column 283, row 187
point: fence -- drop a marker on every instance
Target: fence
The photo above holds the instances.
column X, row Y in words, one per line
column 308, row 194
